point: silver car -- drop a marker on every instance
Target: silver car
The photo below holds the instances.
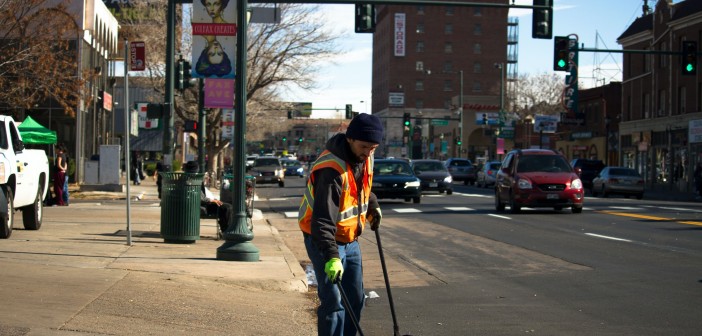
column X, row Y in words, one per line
column 486, row 175
column 618, row 180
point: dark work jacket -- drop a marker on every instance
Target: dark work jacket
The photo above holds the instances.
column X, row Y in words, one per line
column 327, row 191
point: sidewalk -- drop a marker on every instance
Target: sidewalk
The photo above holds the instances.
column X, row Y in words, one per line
column 77, row 276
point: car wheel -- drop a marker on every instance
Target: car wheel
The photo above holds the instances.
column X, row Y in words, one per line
column 449, row 192
column 639, row 196
column 416, row 200
column 281, row 184
column 32, row 214
column 407, row 199
column 499, row 206
column 9, row 220
column 604, row 192
column 577, row 210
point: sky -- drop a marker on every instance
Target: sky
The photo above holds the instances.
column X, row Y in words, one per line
column 597, row 23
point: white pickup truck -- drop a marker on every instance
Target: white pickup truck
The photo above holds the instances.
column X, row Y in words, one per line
column 24, row 179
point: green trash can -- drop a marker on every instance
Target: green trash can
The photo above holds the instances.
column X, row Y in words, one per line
column 180, row 207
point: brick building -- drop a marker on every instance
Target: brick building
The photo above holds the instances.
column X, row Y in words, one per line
column 661, row 113
column 427, row 60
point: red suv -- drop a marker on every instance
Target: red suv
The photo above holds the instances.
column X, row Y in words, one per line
column 537, row 178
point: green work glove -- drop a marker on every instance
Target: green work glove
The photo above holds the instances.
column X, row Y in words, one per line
column 334, row 269
column 374, row 217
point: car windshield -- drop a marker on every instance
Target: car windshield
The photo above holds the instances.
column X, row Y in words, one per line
column 623, row 172
column 459, row 163
column 290, row 163
column 391, row 168
column 495, row 166
column 267, row 162
column 542, row 163
column 428, row 166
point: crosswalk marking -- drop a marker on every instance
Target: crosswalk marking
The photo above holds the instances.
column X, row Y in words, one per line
column 459, row 208
column 407, row 210
column 290, row 214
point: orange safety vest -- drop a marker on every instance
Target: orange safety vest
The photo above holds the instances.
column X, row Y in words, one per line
column 349, row 221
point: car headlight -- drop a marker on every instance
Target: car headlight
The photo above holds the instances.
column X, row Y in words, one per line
column 299, row 170
column 576, row 184
column 524, row 183
column 414, row 184
column 448, row 179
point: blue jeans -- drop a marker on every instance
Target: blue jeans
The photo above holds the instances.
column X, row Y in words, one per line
column 332, row 318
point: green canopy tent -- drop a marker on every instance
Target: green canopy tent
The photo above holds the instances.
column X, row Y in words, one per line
column 33, row 132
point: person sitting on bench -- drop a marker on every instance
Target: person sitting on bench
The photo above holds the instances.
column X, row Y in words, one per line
column 210, row 206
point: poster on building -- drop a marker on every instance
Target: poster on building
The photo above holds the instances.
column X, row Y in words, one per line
column 219, row 93
column 546, row 123
column 399, row 34
column 214, row 38
column 145, row 122
column 396, row 99
column 228, row 124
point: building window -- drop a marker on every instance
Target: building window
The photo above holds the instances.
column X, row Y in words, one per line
column 662, row 59
column 448, row 47
column 682, row 99
column 419, row 66
column 477, row 11
column 420, row 9
column 449, row 10
column 477, row 49
column 448, row 66
column 477, row 29
column 646, row 103
column 447, row 85
column 420, row 28
column 420, row 46
column 477, row 68
column 661, row 103
column 477, row 87
column 419, row 104
column 647, row 62
column 447, row 104
column 448, row 28
column 419, row 85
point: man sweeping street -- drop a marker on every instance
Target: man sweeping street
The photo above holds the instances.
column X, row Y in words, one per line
column 333, row 213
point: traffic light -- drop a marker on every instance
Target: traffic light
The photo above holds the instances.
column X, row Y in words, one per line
column 542, row 20
column 154, row 111
column 182, row 75
column 365, row 18
column 299, row 139
column 285, row 138
column 349, row 111
column 406, row 120
column 689, row 57
column 458, row 141
column 560, row 53
column 190, row 126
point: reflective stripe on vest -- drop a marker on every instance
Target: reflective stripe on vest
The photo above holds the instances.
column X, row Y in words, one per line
column 349, row 222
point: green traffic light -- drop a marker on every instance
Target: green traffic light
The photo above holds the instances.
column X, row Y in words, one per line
column 689, row 67
column 561, row 63
column 407, row 123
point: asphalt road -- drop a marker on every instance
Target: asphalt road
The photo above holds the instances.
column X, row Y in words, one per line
column 458, row 267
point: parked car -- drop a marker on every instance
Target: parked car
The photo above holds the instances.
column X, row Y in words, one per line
column 486, row 175
column 461, row 170
column 268, row 169
column 588, row 170
column 537, row 178
column 250, row 160
column 434, row 176
column 292, row 167
column 618, row 180
column 395, row 179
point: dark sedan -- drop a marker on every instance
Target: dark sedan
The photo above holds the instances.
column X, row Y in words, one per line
column 434, row 176
column 395, row 179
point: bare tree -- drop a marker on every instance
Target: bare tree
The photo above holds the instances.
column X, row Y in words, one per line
column 540, row 93
column 38, row 40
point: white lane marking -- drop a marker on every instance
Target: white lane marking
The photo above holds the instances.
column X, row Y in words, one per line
column 291, row 214
column 474, row 195
column 678, row 209
column 433, row 195
column 459, row 208
column 409, row 210
column 608, row 237
column 588, row 209
column 624, row 208
column 498, row 216
column 278, row 199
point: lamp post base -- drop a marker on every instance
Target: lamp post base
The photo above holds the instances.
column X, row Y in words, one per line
column 238, row 251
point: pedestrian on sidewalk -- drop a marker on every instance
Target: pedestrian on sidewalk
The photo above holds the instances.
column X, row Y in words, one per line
column 65, row 183
column 60, row 167
column 137, row 168
column 333, row 213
